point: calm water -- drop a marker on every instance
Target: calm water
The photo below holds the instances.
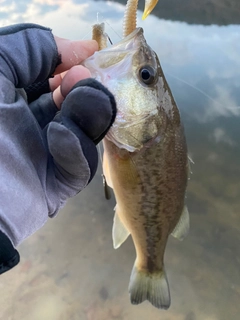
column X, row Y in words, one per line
column 69, row 270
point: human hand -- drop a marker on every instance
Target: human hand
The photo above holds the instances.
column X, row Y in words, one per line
column 45, row 156
column 72, row 53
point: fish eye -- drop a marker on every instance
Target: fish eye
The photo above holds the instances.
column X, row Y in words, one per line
column 147, row 75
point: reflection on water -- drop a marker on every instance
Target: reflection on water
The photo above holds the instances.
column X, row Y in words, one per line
column 220, row 12
column 69, row 269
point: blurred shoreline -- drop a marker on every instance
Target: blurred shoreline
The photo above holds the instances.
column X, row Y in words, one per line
column 205, row 12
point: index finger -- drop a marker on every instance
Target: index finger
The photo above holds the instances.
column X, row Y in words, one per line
column 73, row 52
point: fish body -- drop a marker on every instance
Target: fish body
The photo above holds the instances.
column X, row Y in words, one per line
column 145, row 161
column 149, row 186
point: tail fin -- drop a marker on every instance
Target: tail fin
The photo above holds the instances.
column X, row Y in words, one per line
column 152, row 287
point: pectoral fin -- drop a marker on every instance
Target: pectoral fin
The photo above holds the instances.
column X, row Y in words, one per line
column 119, row 231
column 182, row 228
column 190, row 162
column 106, row 170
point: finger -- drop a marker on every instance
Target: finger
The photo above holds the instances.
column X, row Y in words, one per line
column 73, row 52
column 57, row 97
column 74, row 75
column 56, row 80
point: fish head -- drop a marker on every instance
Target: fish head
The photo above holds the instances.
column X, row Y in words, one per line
column 131, row 70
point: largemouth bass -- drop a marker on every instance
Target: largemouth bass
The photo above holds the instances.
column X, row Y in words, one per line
column 145, row 161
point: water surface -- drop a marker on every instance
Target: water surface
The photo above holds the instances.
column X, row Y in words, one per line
column 69, row 269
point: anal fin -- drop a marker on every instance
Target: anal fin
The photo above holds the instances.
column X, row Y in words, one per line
column 119, row 231
column 182, row 227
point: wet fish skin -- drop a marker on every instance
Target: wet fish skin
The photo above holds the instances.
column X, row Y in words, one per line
column 141, row 180
column 145, row 161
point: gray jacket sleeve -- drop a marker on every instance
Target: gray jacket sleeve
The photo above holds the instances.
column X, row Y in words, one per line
column 40, row 166
column 28, row 54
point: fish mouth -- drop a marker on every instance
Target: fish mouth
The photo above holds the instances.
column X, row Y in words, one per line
column 130, row 39
column 138, row 31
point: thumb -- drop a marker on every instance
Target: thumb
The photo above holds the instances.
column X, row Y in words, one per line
column 69, row 79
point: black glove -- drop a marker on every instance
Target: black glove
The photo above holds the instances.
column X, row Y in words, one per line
column 9, row 257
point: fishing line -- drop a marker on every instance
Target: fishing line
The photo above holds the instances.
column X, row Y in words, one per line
column 106, row 23
column 109, row 25
column 86, row 35
column 202, row 92
column 116, row 33
column 90, row 32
